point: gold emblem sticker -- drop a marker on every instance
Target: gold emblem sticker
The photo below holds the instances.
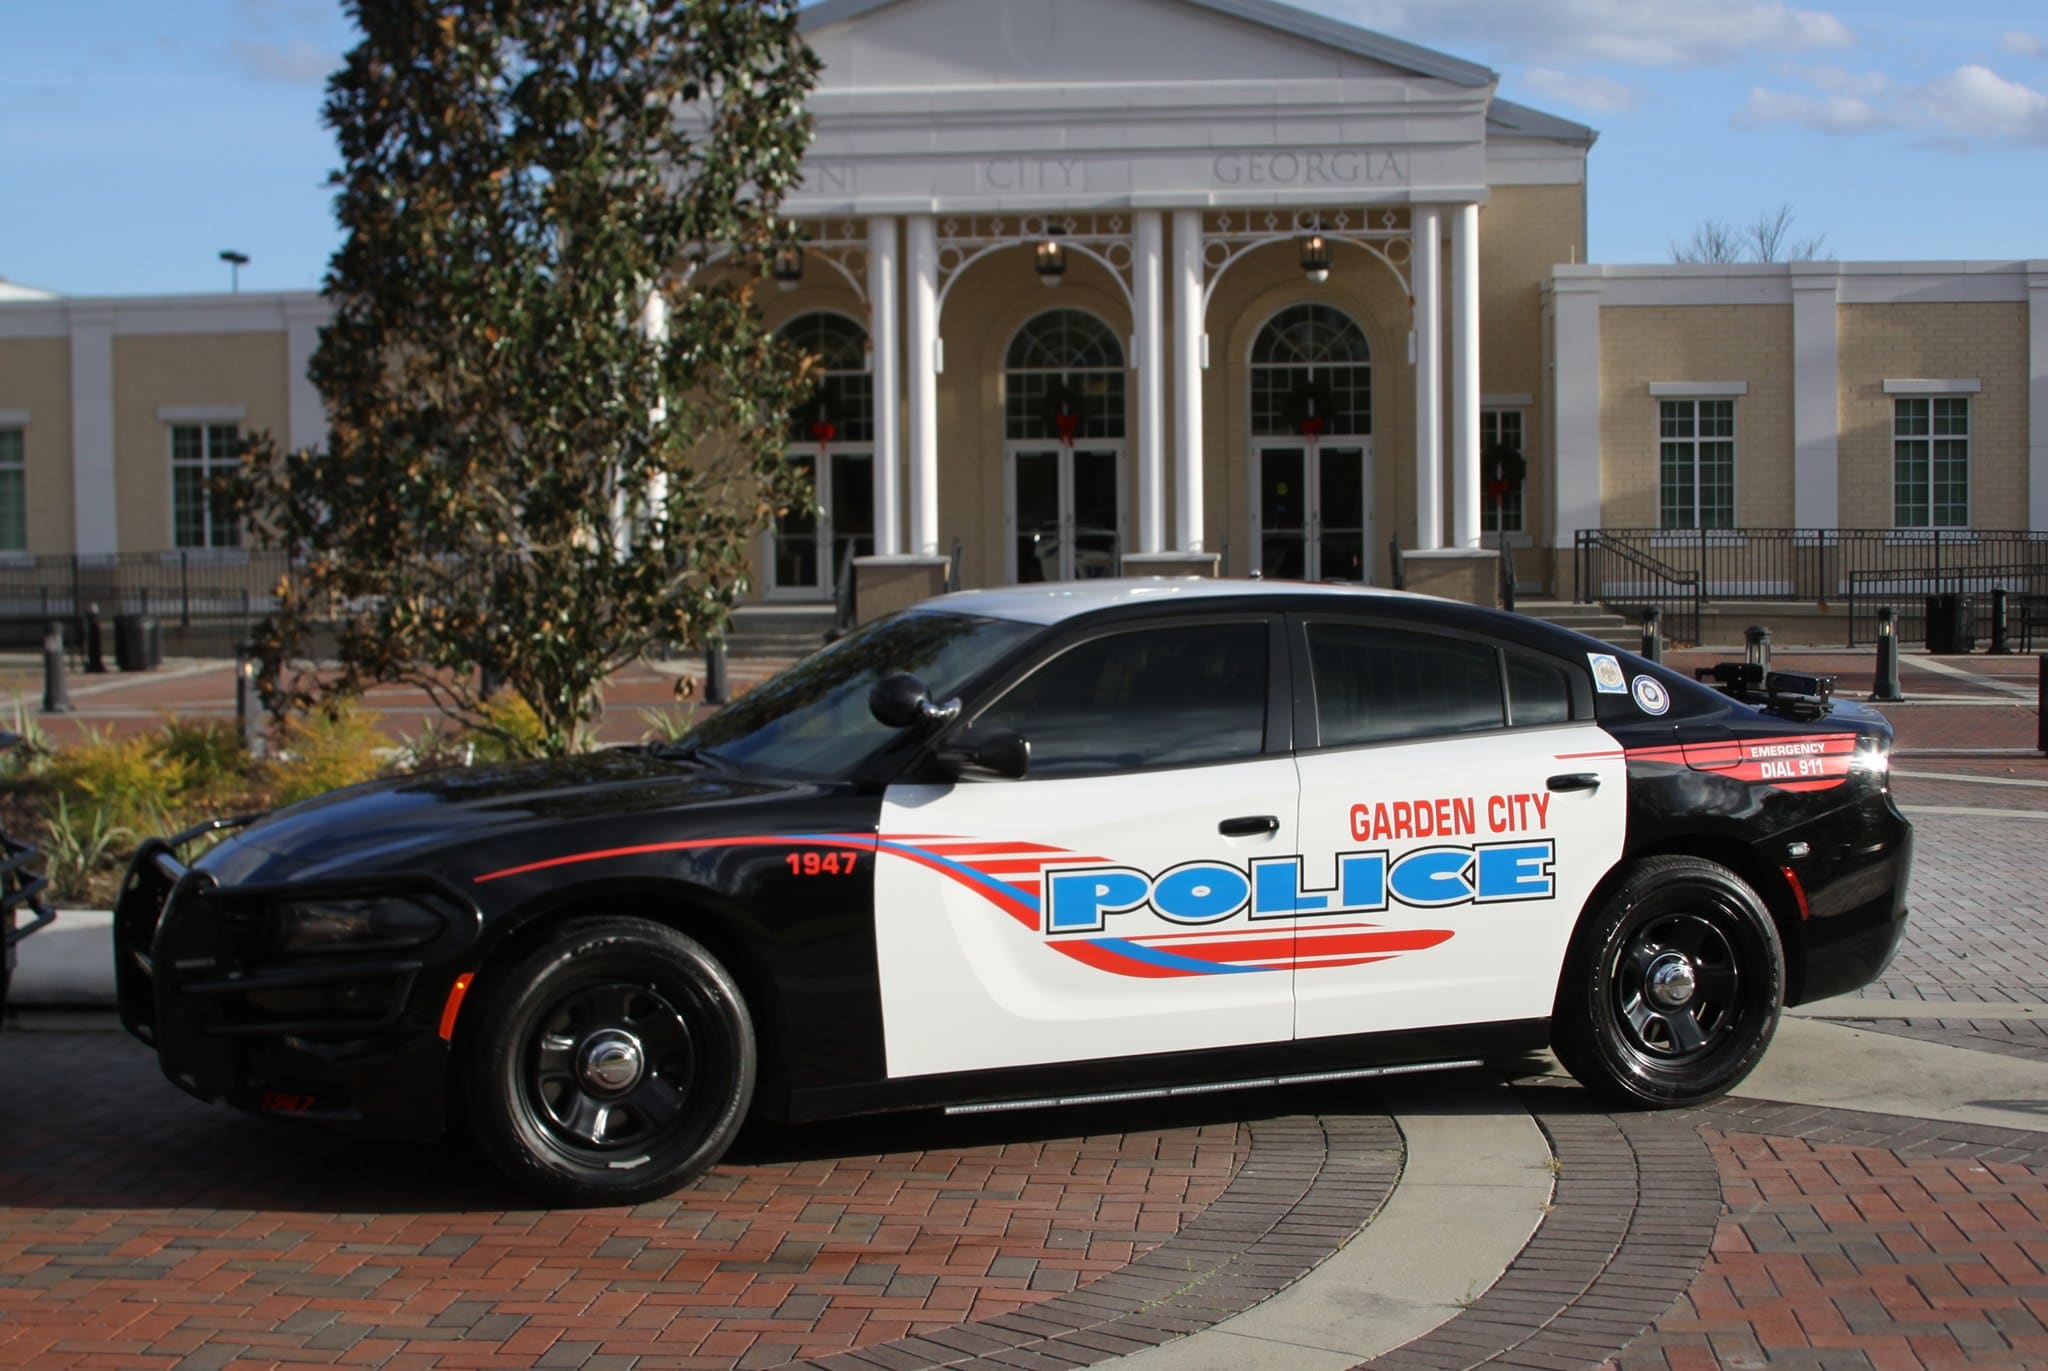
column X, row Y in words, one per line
column 1608, row 677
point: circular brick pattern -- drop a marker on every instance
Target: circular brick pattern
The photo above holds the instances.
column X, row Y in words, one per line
column 138, row 1227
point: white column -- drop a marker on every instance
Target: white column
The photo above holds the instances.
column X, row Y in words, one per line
column 923, row 361
column 1425, row 261
column 1146, row 264
column 2037, row 394
column 1465, row 376
column 94, row 507
column 1575, row 400
column 305, row 411
column 885, row 351
column 1816, row 408
column 1187, row 380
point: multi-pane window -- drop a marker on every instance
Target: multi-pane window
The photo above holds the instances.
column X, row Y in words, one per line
column 13, row 493
column 1931, row 461
column 1311, row 363
column 845, row 398
column 200, row 455
column 1696, row 464
column 1064, row 379
column 1503, row 511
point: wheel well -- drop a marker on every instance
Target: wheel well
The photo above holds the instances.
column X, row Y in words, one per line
column 1770, row 886
column 685, row 910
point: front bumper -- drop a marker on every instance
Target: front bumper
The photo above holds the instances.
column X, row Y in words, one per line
column 347, row 1039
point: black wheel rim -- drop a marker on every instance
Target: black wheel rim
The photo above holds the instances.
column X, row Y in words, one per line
column 1677, row 985
column 610, row 1068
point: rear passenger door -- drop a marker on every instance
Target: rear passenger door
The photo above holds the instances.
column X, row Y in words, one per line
column 1458, row 804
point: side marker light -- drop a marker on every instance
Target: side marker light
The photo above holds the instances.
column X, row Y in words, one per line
column 461, row 988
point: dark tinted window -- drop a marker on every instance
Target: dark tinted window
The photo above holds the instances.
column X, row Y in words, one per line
column 1151, row 697
column 1539, row 691
column 1376, row 685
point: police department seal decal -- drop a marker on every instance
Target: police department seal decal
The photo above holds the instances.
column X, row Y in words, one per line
column 1651, row 696
column 1607, row 676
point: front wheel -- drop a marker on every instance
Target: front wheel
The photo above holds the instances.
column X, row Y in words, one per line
column 610, row 1066
column 1672, row 988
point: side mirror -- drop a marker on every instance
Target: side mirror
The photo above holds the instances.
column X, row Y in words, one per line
column 901, row 701
column 1003, row 752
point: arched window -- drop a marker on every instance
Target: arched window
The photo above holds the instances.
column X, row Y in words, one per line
column 1064, row 362
column 1311, row 361
column 845, row 398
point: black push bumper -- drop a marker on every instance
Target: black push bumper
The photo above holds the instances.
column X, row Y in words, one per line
column 347, row 1040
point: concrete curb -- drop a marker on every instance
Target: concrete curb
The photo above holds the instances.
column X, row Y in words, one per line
column 69, row 965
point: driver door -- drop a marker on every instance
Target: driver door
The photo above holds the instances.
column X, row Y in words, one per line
column 1104, row 905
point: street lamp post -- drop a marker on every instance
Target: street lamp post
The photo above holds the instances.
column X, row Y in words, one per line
column 236, row 261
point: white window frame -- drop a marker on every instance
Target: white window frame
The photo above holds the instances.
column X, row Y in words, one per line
column 1932, row 394
column 1703, row 395
column 16, row 423
column 1490, row 417
column 210, row 465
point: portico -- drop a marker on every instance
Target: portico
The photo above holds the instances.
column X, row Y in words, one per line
column 1166, row 165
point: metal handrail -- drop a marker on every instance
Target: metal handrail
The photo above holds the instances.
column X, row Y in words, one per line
column 1662, row 584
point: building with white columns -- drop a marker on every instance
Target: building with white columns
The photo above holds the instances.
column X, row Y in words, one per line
column 1182, row 285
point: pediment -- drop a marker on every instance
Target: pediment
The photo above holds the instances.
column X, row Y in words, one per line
column 896, row 45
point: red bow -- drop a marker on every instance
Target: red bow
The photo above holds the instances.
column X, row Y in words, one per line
column 1067, row 424
column 1313, row 428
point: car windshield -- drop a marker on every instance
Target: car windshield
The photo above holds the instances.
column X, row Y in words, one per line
column 812, row 721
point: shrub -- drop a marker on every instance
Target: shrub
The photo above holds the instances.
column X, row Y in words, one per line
column 210, row 753
column 129, row 778
column 512, row 730
column 79, row 844
column 326, row 750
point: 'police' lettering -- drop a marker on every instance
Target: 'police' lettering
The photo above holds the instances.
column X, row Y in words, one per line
column 1080, row 901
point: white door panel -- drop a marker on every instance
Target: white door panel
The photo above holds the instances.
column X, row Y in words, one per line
column 1456, row 852
column 974, row 976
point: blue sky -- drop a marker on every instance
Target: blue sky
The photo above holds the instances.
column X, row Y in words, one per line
column 139, row 138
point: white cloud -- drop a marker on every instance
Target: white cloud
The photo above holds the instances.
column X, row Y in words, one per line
column 2023, row 44
column 1970, row 105
column 1598, row 94
column 1629, row 32
column 296, row 63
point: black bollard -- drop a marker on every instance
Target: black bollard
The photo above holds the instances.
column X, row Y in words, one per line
column 1886, row 688
column 95, row 658
column 56, row 694
column 1999, row 646
column 1756, row 646
column 717, row 688
column 247, row 721
column 1653, row 633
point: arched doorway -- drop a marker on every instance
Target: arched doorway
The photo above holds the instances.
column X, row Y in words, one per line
column 1063, row 450
column 1312, row 457
column 831, row 437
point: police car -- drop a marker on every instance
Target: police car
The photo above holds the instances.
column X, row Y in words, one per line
column 1040, row 845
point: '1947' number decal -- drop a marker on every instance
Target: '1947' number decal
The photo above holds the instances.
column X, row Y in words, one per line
column 820, row 863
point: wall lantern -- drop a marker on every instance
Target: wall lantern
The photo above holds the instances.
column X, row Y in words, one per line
column 1315, row 256
column 1052, row 256
column 787, row 266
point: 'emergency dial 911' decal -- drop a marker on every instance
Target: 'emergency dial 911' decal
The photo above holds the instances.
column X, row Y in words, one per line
column 1810, row 762
column 1137, row 923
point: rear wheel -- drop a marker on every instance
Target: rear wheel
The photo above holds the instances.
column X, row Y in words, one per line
column 610, row 1066
column 1671, row 991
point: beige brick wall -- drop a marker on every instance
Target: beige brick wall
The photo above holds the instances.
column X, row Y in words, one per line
column 1984, row 342
column 246, row 369
column 35, row 375
column 1641, row 345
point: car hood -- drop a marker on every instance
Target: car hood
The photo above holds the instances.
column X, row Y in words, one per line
column 404, row 822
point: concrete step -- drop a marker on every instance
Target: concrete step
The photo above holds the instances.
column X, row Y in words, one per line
column 779, row 630
column 1591, row 620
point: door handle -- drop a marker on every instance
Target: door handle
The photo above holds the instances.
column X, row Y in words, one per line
column 1575, row 780
column 1249, row 825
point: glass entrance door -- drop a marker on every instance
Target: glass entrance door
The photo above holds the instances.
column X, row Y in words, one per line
column 1066, row 513
column 1312, row 520
column 811, row 545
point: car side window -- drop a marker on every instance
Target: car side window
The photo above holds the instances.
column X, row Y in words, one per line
column 1154, row 697
column 1376, row 684
column 1539, row 691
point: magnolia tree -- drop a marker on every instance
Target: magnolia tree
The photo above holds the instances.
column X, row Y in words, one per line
column 551, row 436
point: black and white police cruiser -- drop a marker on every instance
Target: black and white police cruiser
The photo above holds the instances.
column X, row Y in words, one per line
column 1036, row 845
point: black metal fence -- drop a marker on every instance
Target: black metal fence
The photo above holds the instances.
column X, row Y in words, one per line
column 1668, row 568
column 1909, row 591
column 184, row 588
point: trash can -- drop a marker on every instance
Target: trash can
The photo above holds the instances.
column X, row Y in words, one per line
column 1951, row 624
column 138, row 642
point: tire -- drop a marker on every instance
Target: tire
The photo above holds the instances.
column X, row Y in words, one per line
column 611, row 1066
column 1672, row 987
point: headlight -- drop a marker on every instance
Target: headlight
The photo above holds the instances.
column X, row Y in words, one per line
column 1872, row 754
column 377, row 923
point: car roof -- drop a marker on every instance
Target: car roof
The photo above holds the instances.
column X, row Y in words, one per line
column 1055, row 601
